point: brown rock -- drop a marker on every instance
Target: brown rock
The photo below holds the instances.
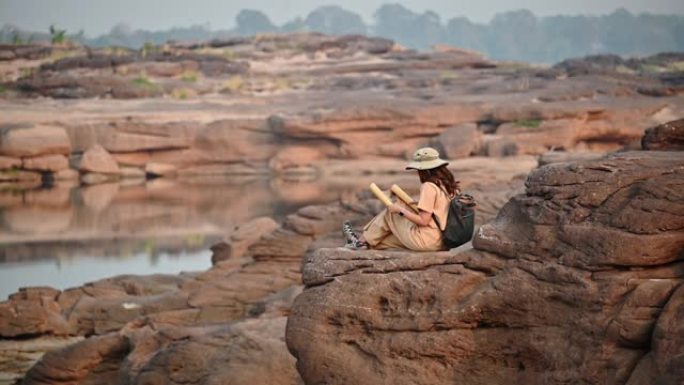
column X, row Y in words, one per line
column 160, row 169
column 460, row 141
column 621, row 194
column 17, row 356
column 162, row 69
column 498, row 147
column 242, row 238
column 249, row 352
column 282, row 244
column 20, row 176
column 30, row 312
column 563, row 157
column 587, row 263
column 97, row 160
column 82, row 361
column 29, row 140
column 7, row 162
column 235, row 141
column 67, row 174
column 665, row 137
column 132, row 136
column 52, row 163
column 316, row 220
column 134, row 159
column 132, row 173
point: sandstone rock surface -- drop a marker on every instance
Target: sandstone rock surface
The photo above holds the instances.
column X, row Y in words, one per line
column 97, row 160
column 32, row 140
column 309, row 106
column 575, row 281
column 459, row 142
column 7, row 162
column 244, row 236
column 51, row 163
column 668, row 137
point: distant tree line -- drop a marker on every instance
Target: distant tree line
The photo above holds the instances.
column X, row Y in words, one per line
column 514, row 35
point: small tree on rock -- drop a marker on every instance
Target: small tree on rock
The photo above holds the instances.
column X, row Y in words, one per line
column 58, row 36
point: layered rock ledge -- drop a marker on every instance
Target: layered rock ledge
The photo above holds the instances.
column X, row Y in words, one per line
column 578, row 280
column 290, row 104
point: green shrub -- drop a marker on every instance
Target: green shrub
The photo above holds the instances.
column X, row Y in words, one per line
column 448, row 75
column 150, row 246
column 229, row 54
column 529, row 123
column 26, row 72
column 652, row 68
column 182, row 93
column 16, row 38
column 190, row 76
column 676, row 66
column 147, row 49
column 194, row 240
column 282, row 84
column 234, row 84
column 58, row 36
column 144, row 82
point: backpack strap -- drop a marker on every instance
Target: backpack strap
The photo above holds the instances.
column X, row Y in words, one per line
column 439, row 226
column 437, row 222
column 458, row 215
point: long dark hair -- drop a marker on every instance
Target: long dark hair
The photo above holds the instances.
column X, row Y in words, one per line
column 442, row 177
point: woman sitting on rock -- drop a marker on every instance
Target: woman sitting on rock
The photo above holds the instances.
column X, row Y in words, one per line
column 398, row 226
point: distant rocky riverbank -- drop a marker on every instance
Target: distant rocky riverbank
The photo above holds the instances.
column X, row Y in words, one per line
column 289, row 105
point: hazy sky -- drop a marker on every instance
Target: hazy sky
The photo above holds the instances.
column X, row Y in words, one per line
column 98, row 16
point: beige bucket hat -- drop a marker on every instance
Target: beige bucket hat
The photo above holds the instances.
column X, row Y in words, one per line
column 426, row 158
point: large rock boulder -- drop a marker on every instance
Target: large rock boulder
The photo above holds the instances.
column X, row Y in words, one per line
column 577, row 281
column 597, row 214
column 32, row 311
column 665, row 137
column 241, row 238
column 250, row 351
column 134, row 136
column 460, row 141
column 32, row 140
column 97, row 160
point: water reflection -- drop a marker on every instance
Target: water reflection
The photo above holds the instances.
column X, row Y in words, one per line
column 137, row 227
column 69, row 272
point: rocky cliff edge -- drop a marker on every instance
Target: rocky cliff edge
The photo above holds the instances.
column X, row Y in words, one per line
column 578, row 280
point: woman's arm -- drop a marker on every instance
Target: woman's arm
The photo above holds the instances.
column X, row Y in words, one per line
column 422, row 219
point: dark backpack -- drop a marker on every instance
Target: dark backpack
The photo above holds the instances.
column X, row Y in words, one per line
column 460, row 221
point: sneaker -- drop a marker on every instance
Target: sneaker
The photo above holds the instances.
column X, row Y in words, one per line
column 353, row 241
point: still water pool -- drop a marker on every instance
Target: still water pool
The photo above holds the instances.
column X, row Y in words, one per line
column 65, row 236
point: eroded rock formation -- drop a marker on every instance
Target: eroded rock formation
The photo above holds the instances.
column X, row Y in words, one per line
column 225, row 325
column 579, row 280
column 282, row 104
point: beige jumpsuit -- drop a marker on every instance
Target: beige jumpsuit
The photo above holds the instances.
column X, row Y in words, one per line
column 391, row 230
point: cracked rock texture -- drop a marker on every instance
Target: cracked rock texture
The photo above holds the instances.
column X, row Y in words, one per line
column 577, row 281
